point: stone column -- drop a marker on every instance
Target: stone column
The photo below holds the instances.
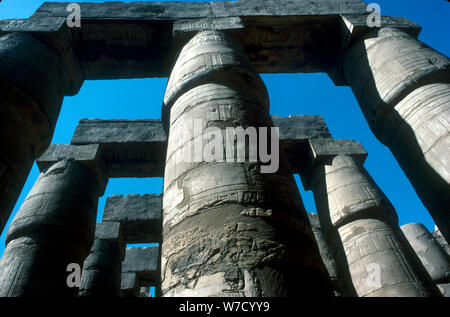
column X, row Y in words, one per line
column 228, row 228
column 325, row 253
column 433, row 257
column 53, row 228
column 441, row 240
column 35, row 74
column 403, row 89
column 361, row 225
column 102, row 269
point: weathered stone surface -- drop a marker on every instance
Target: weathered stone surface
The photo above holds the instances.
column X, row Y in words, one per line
column 145, row 262
column 322, row 151
column 53, row 228
column 325, row 253
column 291, row 36
column 402, row 88
column 130, row 285
column 433, row 257
column 353, row 27
column 228, row 229
column 361, row 226
column 381, row 262
column 440, row 238
column 184, row 30
column 88, row 154
column 34, row 76
column 130, row 148
column 102, row 269
column 109, row 231
column 144, row 266
column 139, row 215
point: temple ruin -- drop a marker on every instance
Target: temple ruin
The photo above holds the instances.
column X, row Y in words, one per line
column 221, row 228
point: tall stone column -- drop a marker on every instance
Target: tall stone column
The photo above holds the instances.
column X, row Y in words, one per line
column 361, row 225
column 35, row 74
column 228, row 228
column 433, row 257
column 102, row 269
column 54, row 227
column 403, row 89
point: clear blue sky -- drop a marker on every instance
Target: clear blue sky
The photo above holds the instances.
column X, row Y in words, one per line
column 289, row 94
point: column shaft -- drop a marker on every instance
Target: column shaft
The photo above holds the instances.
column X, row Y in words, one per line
column 102, row 270
column 433, row 257
column 34, row 76
column 402, row 87
column 228, row 229
column 53, row 228
column 361, row 226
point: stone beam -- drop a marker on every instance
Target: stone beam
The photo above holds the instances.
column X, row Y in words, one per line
column 140, row 216
column 128, row 40
column 433, row 257
column 137, row 148
column 130, row 148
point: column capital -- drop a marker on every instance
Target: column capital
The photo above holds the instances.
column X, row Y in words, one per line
column 353, row 26
column 87, row 155
column 322, row 151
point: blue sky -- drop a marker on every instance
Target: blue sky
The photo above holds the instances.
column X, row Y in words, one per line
column 289, row 94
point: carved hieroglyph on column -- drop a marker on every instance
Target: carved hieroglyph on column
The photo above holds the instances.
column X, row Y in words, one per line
column 53, row 228
column 35, row 74
column 403, row 89
column 362, row 228
column 228, row 229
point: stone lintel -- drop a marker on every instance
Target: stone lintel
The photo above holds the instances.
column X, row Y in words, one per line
column 140, row 216
column 134, row 40
column 38, row 24
column 195, row 10
column 354, row 26
column 130, row 148
column 145, row 262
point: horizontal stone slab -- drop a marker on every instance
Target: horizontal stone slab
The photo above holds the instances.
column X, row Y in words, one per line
column 176, row 10
column 132, row 40
column 130, row 148
column 139, row 215
column 145, row 262
column 137, row 148
column 88, row 154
